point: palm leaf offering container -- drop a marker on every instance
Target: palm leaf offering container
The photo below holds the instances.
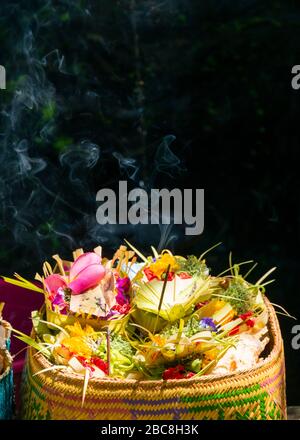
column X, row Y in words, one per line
column 6, row 372
column 151, row 337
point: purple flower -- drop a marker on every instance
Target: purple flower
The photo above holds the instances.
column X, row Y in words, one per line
column 123, row 285
column 208, row 323
column 110, row 314
column 59, row 301
column 122, row 299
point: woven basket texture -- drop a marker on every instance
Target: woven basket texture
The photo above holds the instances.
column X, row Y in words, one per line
column 6, row 378
column 257, row 394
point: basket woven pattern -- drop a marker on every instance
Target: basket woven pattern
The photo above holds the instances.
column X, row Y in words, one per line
column 253, row 394
column 6, row 378
column 6, row 389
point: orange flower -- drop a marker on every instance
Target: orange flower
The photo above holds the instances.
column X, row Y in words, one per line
column 161, row 264
column 209, row 356
column 77, row 342
column 78, row 346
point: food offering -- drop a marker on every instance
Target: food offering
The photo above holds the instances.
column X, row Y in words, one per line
column 152, row 329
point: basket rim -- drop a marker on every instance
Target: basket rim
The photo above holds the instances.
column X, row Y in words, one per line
column 7, row 327
column 276, row 351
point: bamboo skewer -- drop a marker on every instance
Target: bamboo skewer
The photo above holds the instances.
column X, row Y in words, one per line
column 174, row 290
column 108, row 351
column 162, row 296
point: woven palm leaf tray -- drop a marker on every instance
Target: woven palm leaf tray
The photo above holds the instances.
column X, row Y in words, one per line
column 255, row 394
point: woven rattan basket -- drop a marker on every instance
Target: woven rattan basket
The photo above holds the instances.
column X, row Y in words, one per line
column 257, row 394
column 6, row 378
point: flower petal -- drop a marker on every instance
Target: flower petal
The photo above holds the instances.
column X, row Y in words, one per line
column 54, row 282
column 82, row 262
column 89, row 277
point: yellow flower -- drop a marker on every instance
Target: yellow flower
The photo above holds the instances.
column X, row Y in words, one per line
column 159, row 340
column 78, row 346
column 209, row 356
column 160, row 266
column 77, row 342
column 77, row 330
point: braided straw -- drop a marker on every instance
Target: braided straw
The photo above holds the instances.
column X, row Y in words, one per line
column 6, row 378
column 258, row 393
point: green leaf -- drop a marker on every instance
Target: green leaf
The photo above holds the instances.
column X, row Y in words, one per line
column 40, row 328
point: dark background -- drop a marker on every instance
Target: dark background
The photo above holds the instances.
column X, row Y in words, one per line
column 161, row 93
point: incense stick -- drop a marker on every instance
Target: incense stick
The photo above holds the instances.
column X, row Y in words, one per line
column 108, row 350
column 174, row 290
column 162, row 296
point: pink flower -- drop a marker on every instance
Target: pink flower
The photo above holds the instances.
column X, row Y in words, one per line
column 123, row 285
column 86, row 272
column 53, row 283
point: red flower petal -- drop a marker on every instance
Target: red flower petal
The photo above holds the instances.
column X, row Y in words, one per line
column 234, row 331
column 122, row 309
column 149, row 274
column 244, row 316
column 189, row 375
column 184, row 275
column 177, row 372
column 171, row 276
column 101, row 364
column 250, row 322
